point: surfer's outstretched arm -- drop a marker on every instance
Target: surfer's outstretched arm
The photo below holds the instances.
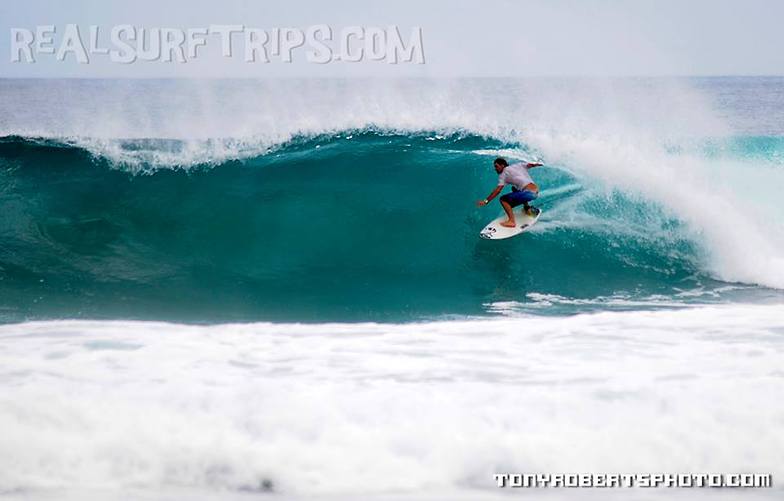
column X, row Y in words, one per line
column 531, row 165
column 491, row 196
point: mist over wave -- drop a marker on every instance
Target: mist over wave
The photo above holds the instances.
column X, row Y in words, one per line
column 221, row 120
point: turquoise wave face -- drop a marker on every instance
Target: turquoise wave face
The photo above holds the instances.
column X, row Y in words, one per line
column 368, row 226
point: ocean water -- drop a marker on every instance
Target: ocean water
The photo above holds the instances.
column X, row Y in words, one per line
column 249, row 288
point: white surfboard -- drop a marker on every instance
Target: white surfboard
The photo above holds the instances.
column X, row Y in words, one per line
column 494, row 230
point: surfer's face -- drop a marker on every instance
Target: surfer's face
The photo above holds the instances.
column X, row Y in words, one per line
column 498, row 168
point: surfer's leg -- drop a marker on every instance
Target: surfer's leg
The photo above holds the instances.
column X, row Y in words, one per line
column 526, row 196
column 510, row 219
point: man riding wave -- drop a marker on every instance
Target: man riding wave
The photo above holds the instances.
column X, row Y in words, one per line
column 523, row 189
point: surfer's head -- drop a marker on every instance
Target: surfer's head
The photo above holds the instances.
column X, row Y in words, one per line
column 500, row 164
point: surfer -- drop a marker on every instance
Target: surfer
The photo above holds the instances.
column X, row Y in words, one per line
column 523, row 188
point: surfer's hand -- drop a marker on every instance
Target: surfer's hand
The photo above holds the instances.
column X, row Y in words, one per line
column 535, row 164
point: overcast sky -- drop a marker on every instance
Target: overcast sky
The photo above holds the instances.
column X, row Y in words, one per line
column 459, row 38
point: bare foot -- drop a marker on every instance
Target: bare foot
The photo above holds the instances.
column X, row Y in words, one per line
column 508, row 224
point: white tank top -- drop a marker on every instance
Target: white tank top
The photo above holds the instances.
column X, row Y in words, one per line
column 516, row 174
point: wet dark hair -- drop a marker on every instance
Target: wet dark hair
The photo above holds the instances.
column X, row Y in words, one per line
column 501, row 161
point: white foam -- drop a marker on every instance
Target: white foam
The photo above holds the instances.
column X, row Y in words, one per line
column 353, row 410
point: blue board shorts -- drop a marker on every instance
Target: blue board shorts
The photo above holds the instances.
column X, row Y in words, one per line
column 519, row 197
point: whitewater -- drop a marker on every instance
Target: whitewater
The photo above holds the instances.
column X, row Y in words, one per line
column 238, row 288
